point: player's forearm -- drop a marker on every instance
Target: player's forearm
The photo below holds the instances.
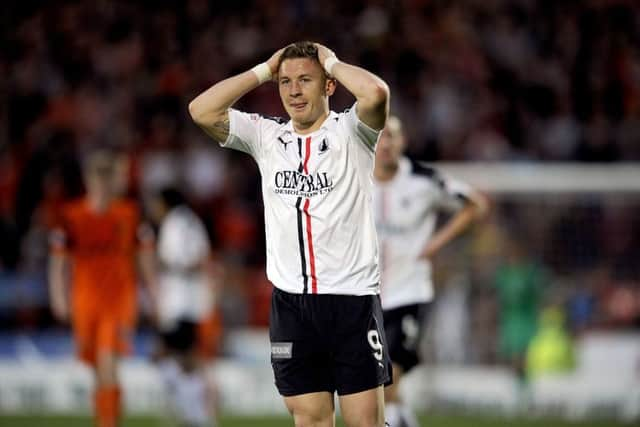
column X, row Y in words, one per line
column 57, row 292
column 453, row 228
column 371, row 92
column 480, row 203
column 211, row 106
column 148, row 271
column 57, row 281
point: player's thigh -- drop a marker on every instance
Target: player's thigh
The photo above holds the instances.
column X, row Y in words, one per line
column 363, row 409
column 391, row 390
column 300, row 355
column 360, row 356
column 84, row 325
column 114, row 334
column 312, row 409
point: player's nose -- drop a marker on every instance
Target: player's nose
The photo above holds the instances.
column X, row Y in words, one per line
column 296, row 89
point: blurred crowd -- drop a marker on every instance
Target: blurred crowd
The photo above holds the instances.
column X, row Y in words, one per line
column 473, row 80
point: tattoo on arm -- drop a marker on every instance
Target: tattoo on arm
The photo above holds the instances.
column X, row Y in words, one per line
column 219, row 130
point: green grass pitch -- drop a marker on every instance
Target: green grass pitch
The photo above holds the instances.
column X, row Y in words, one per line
column 426, row 421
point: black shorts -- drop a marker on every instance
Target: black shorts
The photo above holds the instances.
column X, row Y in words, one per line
column 181, row 338
column 403, row 326
column 327, row 343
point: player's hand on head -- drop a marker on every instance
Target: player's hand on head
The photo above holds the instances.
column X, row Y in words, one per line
column 324, row 52
column 273, row 63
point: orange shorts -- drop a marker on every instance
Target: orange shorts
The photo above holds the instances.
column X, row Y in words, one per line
column 95, row 333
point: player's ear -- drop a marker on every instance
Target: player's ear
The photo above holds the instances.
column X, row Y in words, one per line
column 330, row 86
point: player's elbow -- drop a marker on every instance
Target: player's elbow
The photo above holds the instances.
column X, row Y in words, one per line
column 482, row 206
column 197, row 112
column 375, row 104
column 204, row 115
column 378, row 94
column 382, row 91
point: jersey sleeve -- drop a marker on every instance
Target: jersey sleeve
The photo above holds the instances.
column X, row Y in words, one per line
column 244, row 132
column 359, row 131
column 454, row 194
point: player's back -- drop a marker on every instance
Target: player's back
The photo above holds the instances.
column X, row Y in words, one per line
column 102, row 248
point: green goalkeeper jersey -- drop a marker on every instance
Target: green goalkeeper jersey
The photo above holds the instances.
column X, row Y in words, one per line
column 519, row 287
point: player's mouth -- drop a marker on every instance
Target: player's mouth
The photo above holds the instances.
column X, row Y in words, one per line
column 298, row 106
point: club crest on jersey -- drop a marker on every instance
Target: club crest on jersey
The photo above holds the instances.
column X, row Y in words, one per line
column 284, row 143
column 296, row 183
column 324, row 146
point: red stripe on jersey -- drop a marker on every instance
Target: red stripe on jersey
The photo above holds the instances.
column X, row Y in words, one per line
column 307, row 153
column 312, row 258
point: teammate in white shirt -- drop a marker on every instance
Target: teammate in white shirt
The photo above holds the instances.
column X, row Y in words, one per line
column 408, row 198
column 187, row 320
column 322, row 257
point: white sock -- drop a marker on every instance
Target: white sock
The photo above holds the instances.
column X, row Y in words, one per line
column 191, row 398
column 408, row 416
column 392, row 414
column 169, row 372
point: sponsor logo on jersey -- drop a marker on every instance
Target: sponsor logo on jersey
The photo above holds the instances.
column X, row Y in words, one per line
column 281, row 350
column 294, row 183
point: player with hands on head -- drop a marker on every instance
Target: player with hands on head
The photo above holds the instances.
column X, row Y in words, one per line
column 326, row 326
column 408, row 199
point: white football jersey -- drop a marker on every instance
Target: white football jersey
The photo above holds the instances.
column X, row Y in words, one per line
column 317, row 191
column 183, row 245
column 406, row 210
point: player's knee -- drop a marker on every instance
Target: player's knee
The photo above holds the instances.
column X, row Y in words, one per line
column 313, row 419
column 315, row 415
column 106, row 369
column 373, row 420
column 372, row 416
column 106, row 379
column 314, row 409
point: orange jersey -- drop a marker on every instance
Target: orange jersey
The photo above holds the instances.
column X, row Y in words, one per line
column 102, row 248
